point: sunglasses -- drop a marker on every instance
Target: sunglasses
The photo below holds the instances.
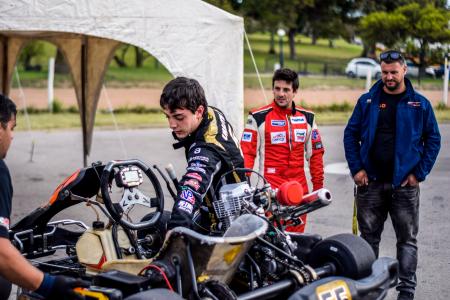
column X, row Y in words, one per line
column 390, row 56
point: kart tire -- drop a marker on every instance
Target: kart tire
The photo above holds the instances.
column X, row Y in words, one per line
column 155, row 294
column 350, row 254
column 218, row 290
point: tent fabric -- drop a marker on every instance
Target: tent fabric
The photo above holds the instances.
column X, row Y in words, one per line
column 189, row 37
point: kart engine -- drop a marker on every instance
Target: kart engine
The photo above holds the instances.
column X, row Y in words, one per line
column 238, row 197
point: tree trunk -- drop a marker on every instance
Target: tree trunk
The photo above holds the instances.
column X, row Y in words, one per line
column 119, row 61
column 139, row 57
column 330, row 43
column 368, row 50
column 272, row 43
column 313, row 39
column 422, row 54
column 291, row 35
column 60, row 63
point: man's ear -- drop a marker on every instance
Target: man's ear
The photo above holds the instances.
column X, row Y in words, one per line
column 200, row 110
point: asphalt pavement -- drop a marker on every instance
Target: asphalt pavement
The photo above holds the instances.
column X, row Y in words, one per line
column 39, row 161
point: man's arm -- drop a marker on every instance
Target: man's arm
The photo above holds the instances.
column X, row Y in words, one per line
column 432, row 144
column 314, row 155
column 250, row 142
column 16, row 268
column 203, row 164
column 352, row 138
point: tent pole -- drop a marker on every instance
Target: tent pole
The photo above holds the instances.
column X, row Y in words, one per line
column 83, row 98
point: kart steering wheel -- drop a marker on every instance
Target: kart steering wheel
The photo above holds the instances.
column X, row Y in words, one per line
column 132, row 195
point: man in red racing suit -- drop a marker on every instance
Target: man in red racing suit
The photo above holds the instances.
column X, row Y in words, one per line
column 283, row 135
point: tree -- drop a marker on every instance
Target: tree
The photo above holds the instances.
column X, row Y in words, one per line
column 388, row 28
column 366, row 7
column 30, row 51
column 119, row 56
column 427, row 25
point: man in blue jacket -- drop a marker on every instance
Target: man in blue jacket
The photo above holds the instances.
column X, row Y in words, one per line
column 391, row 143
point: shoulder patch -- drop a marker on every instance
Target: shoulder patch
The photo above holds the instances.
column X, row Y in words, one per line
column 247, row 136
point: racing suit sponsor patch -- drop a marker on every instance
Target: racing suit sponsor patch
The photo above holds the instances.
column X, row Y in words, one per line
column 4, row 222
column 298, row 120
column 317, row 145
column 299, row 135
column 223, row 126
column 271, row 170
column 202, row 158
column 186, row 206
column 195, row 176
column 414, row 104
column 278, row 137
column 192, row 183
column 197, row 164
column 315, row 136
column 368, row 101
column 279, row 123
column 196, row 169
column 247, row 136
column 197, row 150
column 188, row 196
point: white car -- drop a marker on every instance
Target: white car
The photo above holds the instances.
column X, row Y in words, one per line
column 358, row 67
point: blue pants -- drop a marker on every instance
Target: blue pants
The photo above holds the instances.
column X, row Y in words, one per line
column 374, row 202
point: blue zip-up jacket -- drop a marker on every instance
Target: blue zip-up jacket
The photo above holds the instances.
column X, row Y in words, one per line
column 417, row 137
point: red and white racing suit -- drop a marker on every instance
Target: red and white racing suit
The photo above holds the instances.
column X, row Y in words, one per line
column 283, row 138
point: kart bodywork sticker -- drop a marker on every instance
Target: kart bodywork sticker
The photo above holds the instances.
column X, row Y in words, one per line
column 336, row 290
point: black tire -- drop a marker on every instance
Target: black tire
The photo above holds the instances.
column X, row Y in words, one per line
column 350, row 254
column 378, row 75
column 216, row 289
column 155, row 294
column 351, row 74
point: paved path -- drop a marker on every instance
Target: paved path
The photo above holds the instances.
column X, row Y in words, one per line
column 57, row 154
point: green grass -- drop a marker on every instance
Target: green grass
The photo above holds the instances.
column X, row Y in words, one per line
column 326, row 115
column 47, row 121
column 310, row 58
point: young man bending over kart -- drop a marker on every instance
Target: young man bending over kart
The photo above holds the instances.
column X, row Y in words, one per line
column 211, row 150
column 13, row 266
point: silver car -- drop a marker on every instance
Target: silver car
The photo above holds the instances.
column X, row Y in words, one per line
column 359, row 67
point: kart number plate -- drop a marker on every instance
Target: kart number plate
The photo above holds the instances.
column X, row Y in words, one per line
column 334, row 290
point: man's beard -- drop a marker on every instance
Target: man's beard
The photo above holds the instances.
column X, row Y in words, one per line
column 393, row 87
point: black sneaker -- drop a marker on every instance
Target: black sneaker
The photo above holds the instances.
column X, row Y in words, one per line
column 405, row 296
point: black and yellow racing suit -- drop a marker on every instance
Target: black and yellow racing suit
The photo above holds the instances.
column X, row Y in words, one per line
column 211, row 151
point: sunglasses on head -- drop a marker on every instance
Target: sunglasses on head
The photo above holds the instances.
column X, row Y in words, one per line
column 390, row 55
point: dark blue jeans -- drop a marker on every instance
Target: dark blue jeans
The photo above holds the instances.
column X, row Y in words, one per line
column 374, row 202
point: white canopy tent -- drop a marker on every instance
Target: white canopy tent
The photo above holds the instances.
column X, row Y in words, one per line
column 189, row 37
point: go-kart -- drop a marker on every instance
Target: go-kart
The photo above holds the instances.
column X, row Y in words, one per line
column 249, row 254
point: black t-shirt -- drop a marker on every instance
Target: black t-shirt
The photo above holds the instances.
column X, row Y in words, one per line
column 6, row 192
column 383, row 148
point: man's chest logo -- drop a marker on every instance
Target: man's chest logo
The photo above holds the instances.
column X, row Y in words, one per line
column 278, row 123
column 278, row 137
column 299, row 135
column 298, row 120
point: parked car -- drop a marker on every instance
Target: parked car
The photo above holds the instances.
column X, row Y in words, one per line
column 413, row 69
column 358, row 67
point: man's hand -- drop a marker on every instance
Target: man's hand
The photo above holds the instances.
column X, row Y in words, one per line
column 361, row 178
column 60, row 287
column 411, row 180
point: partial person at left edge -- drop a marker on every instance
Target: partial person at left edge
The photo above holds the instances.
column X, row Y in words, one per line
column 14, row 268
